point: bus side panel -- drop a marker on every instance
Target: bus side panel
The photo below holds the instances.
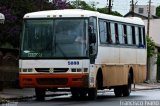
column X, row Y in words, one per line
column 114, row 75
column 139, row 72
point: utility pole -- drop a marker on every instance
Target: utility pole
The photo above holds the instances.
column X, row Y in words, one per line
column 109, row 11
column 132, row 10
column 148, row 28
column 110, row 2
column 149, row 16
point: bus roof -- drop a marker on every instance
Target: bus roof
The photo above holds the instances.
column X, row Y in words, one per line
column 81, row 13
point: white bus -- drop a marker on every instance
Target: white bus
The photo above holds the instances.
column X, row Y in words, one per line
column 2, row 18
column 82, row 50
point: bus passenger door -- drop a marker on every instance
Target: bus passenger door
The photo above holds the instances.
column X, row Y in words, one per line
column 93, row 44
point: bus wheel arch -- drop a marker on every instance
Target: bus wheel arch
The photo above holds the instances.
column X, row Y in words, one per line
column 99, row 78
column 131, row 75
column 92, row 92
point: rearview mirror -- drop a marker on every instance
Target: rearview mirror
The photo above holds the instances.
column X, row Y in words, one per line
column 92, row 38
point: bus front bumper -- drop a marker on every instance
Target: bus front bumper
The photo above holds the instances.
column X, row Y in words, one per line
column 53, row 80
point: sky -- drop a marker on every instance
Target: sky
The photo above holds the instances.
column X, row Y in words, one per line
column 122, row 6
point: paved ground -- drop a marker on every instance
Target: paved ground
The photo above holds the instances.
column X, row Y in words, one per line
column 16, row 94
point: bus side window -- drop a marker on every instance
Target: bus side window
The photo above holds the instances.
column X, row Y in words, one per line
column 140, row 35
column 133, row 35
column 121, row 33
column 144, row 36
column 116, row 33
column 125, row 34
column 109, row 35
column 112, row 32
column 129, row 35
column 137, row 35
column 141, row 44
column 103, row 31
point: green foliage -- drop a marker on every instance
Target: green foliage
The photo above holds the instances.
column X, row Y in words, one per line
column 82, row 5
column 14, row 10
column 102, row 10
column 116, row 13
column 158, row 11
column 150, row 47
column 92, row 7
column 105, row 11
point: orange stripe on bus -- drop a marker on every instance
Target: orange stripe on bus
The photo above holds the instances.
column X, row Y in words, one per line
column 53, row 80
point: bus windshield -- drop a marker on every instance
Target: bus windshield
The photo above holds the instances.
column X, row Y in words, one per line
column 58, row 38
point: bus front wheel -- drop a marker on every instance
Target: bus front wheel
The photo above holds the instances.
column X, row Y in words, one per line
column 40, row 94
column 92, row 92
column 75, row 93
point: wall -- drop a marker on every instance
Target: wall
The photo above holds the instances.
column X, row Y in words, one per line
column 154, row 30
column 145, row 10
column 8, row 68
column 155, row 34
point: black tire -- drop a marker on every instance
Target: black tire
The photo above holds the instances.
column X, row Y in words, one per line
column 92, row 93
column 127, row 88
column 83, row 92
column 1, row 85
column 75, row 93
column 118, row 91
column 40, row 94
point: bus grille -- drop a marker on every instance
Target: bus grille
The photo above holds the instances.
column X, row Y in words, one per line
column 55, row 70
column 42, row 69
column 52, row 81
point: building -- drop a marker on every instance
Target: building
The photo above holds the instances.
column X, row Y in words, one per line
column 142, row 12
column 154, row 32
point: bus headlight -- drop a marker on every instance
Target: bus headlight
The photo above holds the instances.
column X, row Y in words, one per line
column 27, row 70
column 85, row 69
column 79, row 70
column 76, row 70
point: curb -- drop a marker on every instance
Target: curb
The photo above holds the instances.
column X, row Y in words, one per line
column 23, row 98
column 7, row 100
column 136, row 89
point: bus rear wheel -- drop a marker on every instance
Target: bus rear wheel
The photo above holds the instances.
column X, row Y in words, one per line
column 127, row 88
column 40, row 94
column 118, row 91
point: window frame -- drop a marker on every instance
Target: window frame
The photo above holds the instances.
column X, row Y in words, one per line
column 125, row 31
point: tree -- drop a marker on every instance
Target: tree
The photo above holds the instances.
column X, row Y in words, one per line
column 8, row 30
column 105, row 11
column 150, row 47
column 14, row 11
column 150, row 53
column 82, row 5
column 158, row 11
column 92, row 7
